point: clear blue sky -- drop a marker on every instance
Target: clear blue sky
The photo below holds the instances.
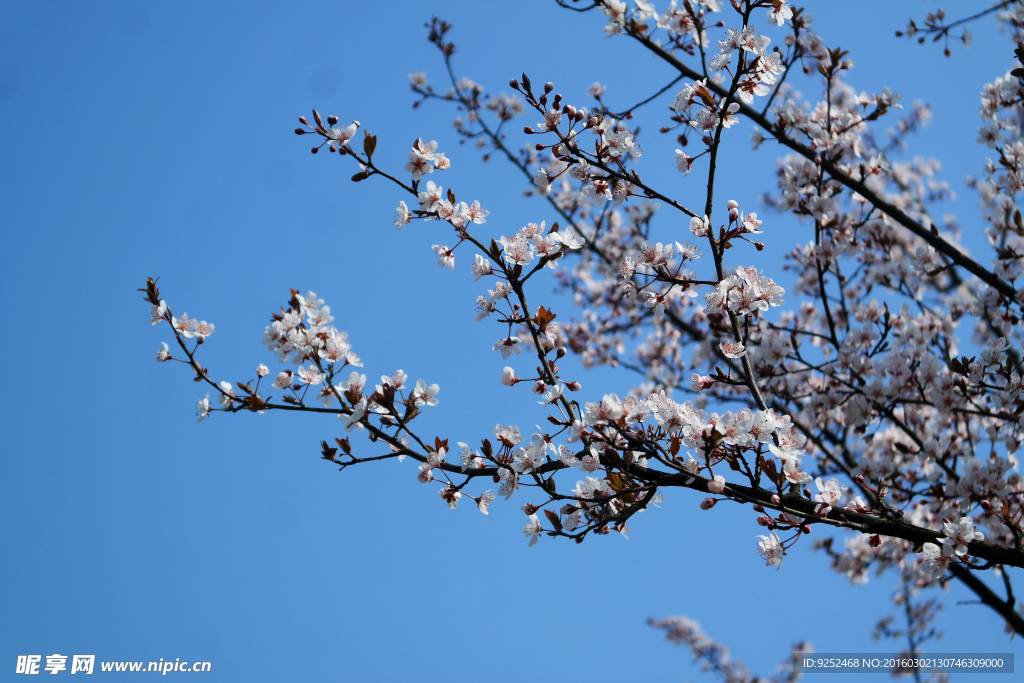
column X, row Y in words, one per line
column 146, row 139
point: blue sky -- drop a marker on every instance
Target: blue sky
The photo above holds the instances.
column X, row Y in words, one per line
column 145, row 139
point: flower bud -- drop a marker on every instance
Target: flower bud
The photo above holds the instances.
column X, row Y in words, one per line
column 315, row 150
column 514, row 84
column 528, row 130
column 591, row 122
column 530, row 508
column 707, row 503
column 539, row 146
column 764, row 520
column 775, row 499
column 262, row 370
column 508, row 377
column 874, row 541
column 299, row 131
column 331, row 120
column 733, row 204
column 573, row 386
column 807, row 494
column 758, row 507
column 560, row 352
column 986, row 506
column 302, row 120
column 539, row 388
column 548, row 87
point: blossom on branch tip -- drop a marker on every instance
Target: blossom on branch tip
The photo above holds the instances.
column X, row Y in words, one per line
column 450, row 496
column 699, row 226
column 468, row 459
column 779, row 12
column 421, row 158
column 163, row 354
column 484, row 503
column 684, row 162
column 402, row 215
column 570, row 238
column 226, row 395
column 733, row 349
column 424, row 395
column 203, row 408
column 935, row 561
column 445, row 257
column 157, row 313
column 184, row 325
column 771, row 550
column 508, row 376
column 311, row 375
column 507, row 347
column 543, row 183
column 341, row 136
column 354, row 421
column 532, row 529
column 958, row 536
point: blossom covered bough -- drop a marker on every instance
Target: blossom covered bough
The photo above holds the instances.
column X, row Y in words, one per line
column 852, row 382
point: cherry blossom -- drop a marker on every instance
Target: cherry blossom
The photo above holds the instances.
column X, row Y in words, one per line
column 771, row 550
column 886, row 370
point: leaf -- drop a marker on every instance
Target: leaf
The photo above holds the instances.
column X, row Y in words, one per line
column 706, row 95
column 544, row 317
column 328, row 453
column 553, row 518
column 254, row 403
column 770, row 471
column 611, row 457
column 369, row 143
